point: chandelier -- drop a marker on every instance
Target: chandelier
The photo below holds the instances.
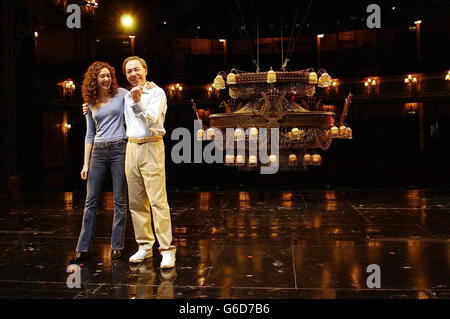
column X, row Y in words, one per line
column 286, row 101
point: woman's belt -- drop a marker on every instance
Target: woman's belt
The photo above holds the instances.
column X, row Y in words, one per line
column 99, row 144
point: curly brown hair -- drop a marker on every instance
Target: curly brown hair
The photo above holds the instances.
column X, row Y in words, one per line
column 89, row 88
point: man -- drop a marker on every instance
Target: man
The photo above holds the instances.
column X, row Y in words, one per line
column 144, row 164
column 144, row 112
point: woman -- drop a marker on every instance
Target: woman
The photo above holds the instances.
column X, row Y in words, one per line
column 104, row 149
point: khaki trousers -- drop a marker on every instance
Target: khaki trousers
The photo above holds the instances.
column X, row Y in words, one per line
column 146, row 178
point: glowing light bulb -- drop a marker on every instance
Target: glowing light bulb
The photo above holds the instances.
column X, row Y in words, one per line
column 126, row 20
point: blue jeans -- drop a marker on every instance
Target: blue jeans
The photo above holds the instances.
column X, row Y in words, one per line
column 104, row 155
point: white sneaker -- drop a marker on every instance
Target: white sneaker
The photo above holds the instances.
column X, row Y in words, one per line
column 168, row 260
column 140, row 256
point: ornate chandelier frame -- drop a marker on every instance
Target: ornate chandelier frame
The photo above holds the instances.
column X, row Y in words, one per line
column 275, row 100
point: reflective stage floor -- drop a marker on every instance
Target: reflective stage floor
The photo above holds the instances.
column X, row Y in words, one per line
column 238, row 244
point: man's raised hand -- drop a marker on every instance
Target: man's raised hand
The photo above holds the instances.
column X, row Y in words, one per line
column 136, row 93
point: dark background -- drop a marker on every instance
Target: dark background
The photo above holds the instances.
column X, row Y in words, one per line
column 390, row 147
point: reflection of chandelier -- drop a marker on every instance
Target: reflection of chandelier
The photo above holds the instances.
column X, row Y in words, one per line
column 282, row 100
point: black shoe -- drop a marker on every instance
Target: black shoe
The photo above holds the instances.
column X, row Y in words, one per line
column 116, row 254
column 79, row 257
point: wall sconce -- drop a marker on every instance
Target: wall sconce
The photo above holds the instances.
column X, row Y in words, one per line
column 176, row 87
column 68, row 87
column 412, row 83
column 36, row 34
column 175, row 90
column 93, row 3
column 371, row 86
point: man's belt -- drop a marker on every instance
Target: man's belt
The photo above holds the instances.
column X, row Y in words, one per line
column 142, row 140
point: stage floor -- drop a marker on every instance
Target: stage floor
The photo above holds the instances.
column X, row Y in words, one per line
column 238, row 244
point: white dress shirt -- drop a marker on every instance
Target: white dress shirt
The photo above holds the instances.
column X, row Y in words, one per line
column 146, row 118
